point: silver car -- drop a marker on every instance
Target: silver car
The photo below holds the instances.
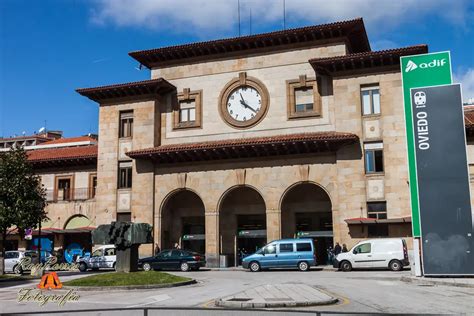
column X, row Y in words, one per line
column 13, row 258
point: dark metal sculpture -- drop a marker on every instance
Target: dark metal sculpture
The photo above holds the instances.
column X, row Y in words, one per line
column 127, row 237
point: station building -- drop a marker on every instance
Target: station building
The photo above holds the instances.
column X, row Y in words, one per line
column 236, row 142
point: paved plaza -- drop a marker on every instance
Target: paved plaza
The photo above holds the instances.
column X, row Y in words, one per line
column 357, row 291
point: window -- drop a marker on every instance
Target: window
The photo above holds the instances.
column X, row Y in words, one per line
column 11, row 255
column 97, row 253
column 377, row 210
column 124, row 217
column 187, row 109
column 125, row 175
column 126, row 124
column 110, row 252
column 378, row 230
column 269, row 250
column 64, row 188
column 364, row 248
column 370, row 97
column 286, row 247
column 303, row 99
column 303, row 247
column 92, row 185
column 373, row 157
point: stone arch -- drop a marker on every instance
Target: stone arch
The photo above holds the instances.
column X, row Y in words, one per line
column 242, row 222
column 182, row 220
column 77, row 221
column 306, row 211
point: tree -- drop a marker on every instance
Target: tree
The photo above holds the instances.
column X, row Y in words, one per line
column 22, row 196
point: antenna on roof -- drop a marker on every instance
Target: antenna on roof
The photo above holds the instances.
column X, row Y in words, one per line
column 250, row 20
column 140, row 66
column 284, row 15
column 42, row 129
column 238, row 10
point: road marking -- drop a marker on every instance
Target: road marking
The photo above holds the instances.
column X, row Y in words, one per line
column 344, row 300
column 155, row 299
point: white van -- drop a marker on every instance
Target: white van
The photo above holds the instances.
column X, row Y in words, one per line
column 388, row 253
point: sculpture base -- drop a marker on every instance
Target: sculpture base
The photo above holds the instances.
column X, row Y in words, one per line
column 127, row 259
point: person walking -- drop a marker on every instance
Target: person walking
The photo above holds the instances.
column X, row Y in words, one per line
column 344, row 248
column 157, row 249
column 337, row 249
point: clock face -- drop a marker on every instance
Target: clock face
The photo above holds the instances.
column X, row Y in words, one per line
column 244, row 103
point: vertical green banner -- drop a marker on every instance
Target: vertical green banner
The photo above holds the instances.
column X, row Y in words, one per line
column 420, row 71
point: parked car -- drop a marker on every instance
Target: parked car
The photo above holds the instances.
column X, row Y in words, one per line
column 175, row 259
column 284, row 253
column 102, row 258
column 13, row 258
column 388, row 253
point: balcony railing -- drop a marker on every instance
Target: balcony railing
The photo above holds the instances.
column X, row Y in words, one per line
column 76, row 194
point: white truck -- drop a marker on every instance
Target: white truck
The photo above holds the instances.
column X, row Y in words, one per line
column 388, row 253
column 102, row 258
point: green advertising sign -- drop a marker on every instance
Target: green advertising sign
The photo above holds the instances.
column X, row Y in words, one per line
column 420, row 71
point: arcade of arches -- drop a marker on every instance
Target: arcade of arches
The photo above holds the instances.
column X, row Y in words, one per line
column 242, row 221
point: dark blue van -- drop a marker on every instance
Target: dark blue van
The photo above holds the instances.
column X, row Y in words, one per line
column 283, row 253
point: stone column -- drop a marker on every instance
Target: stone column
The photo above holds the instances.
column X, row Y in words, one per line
column 212, row 239
column 273, row 224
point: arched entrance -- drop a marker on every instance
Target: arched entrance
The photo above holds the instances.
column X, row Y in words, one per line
column 77, row 237
column 183, row 222
column 306, row 211
column 242, row 223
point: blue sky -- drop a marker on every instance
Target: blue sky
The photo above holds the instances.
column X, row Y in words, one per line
column 49, row 48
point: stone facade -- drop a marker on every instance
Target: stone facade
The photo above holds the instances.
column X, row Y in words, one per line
column 340, row 176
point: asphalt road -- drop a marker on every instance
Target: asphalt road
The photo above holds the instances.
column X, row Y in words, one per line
column 358, row 291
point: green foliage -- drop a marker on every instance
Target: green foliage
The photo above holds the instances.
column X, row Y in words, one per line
column 22, row 197
column 122, row 278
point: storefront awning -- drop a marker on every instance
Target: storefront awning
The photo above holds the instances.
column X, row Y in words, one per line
column 367, row 221
column 279, row 145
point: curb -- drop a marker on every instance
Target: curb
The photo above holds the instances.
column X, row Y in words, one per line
column 424, row 281
column 129, row 287
column 223, row 303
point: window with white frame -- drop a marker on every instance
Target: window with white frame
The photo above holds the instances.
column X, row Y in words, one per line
column 377, row 210
column 370, row 97
column 187, row 111
column 373, row 153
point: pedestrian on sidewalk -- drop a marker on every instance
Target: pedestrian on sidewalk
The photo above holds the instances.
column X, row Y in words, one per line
column 344, row 248
column 337, row 249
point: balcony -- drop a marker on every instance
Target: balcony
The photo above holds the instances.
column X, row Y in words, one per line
column 65, row 195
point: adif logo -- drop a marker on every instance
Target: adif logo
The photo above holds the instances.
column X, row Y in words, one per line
column 434, row 63
column 410, row 66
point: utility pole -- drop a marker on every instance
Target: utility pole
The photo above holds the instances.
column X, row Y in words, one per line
column 284, row 15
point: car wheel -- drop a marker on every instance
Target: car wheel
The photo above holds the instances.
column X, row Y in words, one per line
column 254, row 266
column 146, row 266
column 346, row 266
column 17, row 269
column 303, row 266
column 184, row 266
column 82, row 267
column 395, row 265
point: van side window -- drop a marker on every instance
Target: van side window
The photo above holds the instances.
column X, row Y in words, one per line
column 364, row 248
column 303, row 246
column 286, row 247
column 269, row 250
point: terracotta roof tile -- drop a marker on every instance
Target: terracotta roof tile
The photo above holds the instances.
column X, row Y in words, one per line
column 129, row 89
column 365, row 60
column 247, row 147
column 63, row 153
column 71, row 140
column 469, row 116
column 352, row 30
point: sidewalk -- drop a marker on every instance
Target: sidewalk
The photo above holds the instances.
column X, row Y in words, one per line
column 460, row 281
column 277, row 295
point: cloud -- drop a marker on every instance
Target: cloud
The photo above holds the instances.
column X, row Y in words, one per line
column 466, row 78
column 219, row 16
